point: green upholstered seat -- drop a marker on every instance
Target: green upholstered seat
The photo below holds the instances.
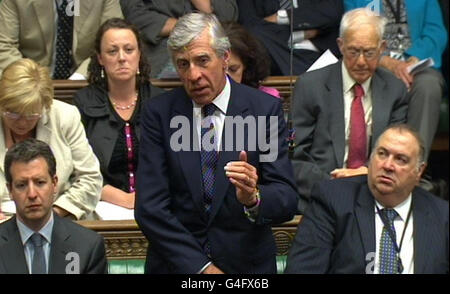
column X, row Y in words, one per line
column 281, row 263
column 136, row 266
column 126, row 266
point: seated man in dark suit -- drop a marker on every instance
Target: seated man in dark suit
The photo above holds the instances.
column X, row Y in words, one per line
column 54, row 33
column 36, row 240
column 210, row 209
column 155, row 19
column 382, row 223
column 339, row 111
column 315, row 25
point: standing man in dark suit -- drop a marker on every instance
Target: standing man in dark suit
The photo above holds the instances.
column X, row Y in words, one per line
column 380, row 223
column 325, row 108
column 36, row 240
column 210, row 209
column 315, row 25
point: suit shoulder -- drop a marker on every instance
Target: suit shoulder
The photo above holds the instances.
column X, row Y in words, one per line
column 78, row 231
column 438, row 206
column 6, row 226
column 318, row 74
column 254, row 96
column 60, row 106
column 340, row 190
column 389, row 77
column 167, row 98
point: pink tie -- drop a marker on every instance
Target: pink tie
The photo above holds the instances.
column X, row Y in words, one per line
column 357, row 141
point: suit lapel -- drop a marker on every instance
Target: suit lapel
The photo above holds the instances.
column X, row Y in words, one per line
column 337, row 123
column 365, row 217
column 46, row 24
column 236, row 107
column 59, row 248
column 190, row 160
column 424, row 229
column 12, row 252
column 85, row 9
column 380, row 115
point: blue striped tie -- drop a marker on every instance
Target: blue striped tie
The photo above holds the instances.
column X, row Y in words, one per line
column 209, row 156
column 285, row 4
column 388, row 254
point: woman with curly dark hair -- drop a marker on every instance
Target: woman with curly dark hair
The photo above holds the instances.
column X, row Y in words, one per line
column 249, row 62
column 110, row 106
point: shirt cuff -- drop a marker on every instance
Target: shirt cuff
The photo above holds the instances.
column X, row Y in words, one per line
column 282, row 17
column 204, row 267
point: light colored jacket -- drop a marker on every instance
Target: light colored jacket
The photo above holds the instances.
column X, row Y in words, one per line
column 77, row 168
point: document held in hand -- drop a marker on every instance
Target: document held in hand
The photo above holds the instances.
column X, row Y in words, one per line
column 421, row 65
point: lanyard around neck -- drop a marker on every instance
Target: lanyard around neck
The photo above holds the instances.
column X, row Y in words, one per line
column 391, row 232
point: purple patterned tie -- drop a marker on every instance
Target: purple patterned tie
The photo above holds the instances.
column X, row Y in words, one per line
column 208, row 157
column 357, row 139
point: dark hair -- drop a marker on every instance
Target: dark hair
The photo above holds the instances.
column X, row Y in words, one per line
column 26, row 151
column 252, row 53
column 94, row 66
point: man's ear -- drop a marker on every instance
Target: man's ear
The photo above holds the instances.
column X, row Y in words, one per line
column 226, row 59
column 9, row 187
column 383, row 46
column 55, row 181
column 340, row 44
column 421, row 169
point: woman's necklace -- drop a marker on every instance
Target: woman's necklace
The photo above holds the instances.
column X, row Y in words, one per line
column 126, row 107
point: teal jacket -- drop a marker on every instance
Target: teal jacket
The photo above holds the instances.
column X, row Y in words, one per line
column 427, row 30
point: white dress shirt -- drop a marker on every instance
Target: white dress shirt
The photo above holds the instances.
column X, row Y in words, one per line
column 407, row 249
column 221, row 103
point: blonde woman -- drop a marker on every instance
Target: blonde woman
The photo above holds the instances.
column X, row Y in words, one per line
column 27, row 110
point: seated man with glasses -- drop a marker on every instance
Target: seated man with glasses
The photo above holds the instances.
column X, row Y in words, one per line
column 28, row 110
column 339, row 111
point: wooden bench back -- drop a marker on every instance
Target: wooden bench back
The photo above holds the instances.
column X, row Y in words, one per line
column 65, row 89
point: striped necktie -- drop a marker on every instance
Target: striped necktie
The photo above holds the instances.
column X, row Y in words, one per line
column 208, row 154
column 285, row 4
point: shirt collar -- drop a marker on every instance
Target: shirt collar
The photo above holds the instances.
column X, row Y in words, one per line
column 221, row 101
column 45, row 231
column 349, row 82
column 402, row 209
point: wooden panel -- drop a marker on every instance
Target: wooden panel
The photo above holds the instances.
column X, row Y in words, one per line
column 124, row 239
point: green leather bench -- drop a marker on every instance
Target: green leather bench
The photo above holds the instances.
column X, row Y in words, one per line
column 136, row 266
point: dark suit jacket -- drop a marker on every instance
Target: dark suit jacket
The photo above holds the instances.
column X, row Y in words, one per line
column 150, row 16
column 169, row 198
column 318, row 120
column 67, row 236
column 324, row 15
column 338, row 230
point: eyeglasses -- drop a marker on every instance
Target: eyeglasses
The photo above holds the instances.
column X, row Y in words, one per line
column 17, row 116
column 368, row 54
